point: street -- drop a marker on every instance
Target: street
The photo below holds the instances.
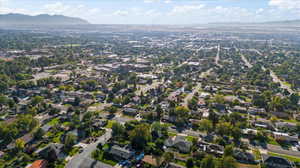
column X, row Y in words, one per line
column 79, row 158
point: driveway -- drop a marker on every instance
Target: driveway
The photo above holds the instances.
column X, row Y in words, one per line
column 79, row 158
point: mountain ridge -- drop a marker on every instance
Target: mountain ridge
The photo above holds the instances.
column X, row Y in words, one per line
column 42, row 19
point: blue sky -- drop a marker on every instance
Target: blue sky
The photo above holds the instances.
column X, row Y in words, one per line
column 160, row 11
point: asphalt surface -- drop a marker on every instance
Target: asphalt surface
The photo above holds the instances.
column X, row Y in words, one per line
column 279, row 150
column 79, row 158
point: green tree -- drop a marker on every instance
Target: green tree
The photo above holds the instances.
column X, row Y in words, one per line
column 70, row 140
column 206, row 125
column 39, row 133
column 159, row 112
column 20, row 145
column 228, row 162
column 236, row 133
column 208, row 162
column 190, row 163
column 118, row 130
column 140, row 136
column 168, row 157
column 37, row 100
column 228, row 151
column 224, row 128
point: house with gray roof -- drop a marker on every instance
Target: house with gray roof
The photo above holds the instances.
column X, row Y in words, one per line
column 180, row 143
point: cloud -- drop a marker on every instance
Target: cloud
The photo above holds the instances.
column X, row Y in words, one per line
column 57, row 8
column 121, row 13
column 185, row 9
column 285, row 4
column 60, row 8
column 156, row 1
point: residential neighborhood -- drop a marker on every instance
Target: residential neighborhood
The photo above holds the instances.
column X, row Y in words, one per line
column 141, row 98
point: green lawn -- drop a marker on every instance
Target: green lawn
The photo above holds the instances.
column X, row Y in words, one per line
column 257, row 154
column 247, row 166
column 73, row 151
column 287, row 84
column 290, row 158
column 171, row 134
column 57, row 136
column 182, row 163
column 110, row 123
column 54, row 121
column 272, row 141
column 190, row 138
column 99, row 155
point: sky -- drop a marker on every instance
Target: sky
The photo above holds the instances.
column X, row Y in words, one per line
column 159, row 11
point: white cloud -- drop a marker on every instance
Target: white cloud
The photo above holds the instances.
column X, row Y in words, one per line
column 60, row 8
column 285, row 4
column 121, row 13
column 151, row 1
column 57, row 8
column 185, row 9
column 156, row 1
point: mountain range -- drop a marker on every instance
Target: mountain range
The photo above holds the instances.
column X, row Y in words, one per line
column 43, row 19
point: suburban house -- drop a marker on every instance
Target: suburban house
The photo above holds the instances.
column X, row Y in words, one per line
column 130, row 111
column 39, row 164
column 180, row 143
column 120, row 153
column 244, row 157
column 285, row 137
column 149, row 159
column 278, row 162
column 51, row 152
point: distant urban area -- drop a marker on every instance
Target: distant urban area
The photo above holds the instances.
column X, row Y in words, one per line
column 103, row 96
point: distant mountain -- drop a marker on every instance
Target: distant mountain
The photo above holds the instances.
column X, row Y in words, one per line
column 284, row 22
column 289, row 22
column 43, row 19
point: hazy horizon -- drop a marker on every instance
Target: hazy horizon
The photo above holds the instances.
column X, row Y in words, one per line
column 158, row 12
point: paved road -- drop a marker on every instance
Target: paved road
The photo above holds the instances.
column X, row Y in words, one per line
column 186, row 132
column 247, row 63
column 79, row 158
column 217, row 58
column 279, row 150
column 196, row 88
column 277, row 80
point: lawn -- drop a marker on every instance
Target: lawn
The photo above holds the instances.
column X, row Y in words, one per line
column 290, row 158
column 272, row 141
column 57, row 136
column 182, row 163
column 110, row 123
column 190, row 138
column 257, row 154
column 287, row 84
column 171, row 134
column 99, row 155
column 73, row 151
column 54, row 121
column 247, row 166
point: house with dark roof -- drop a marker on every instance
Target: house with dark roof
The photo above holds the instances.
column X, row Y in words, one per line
column 27, row 138
column 244, row 157
column 120, row 153
column 215, row 149
column 51, row 152
column 130, row 111
column 278, row 162
column 91, row 163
